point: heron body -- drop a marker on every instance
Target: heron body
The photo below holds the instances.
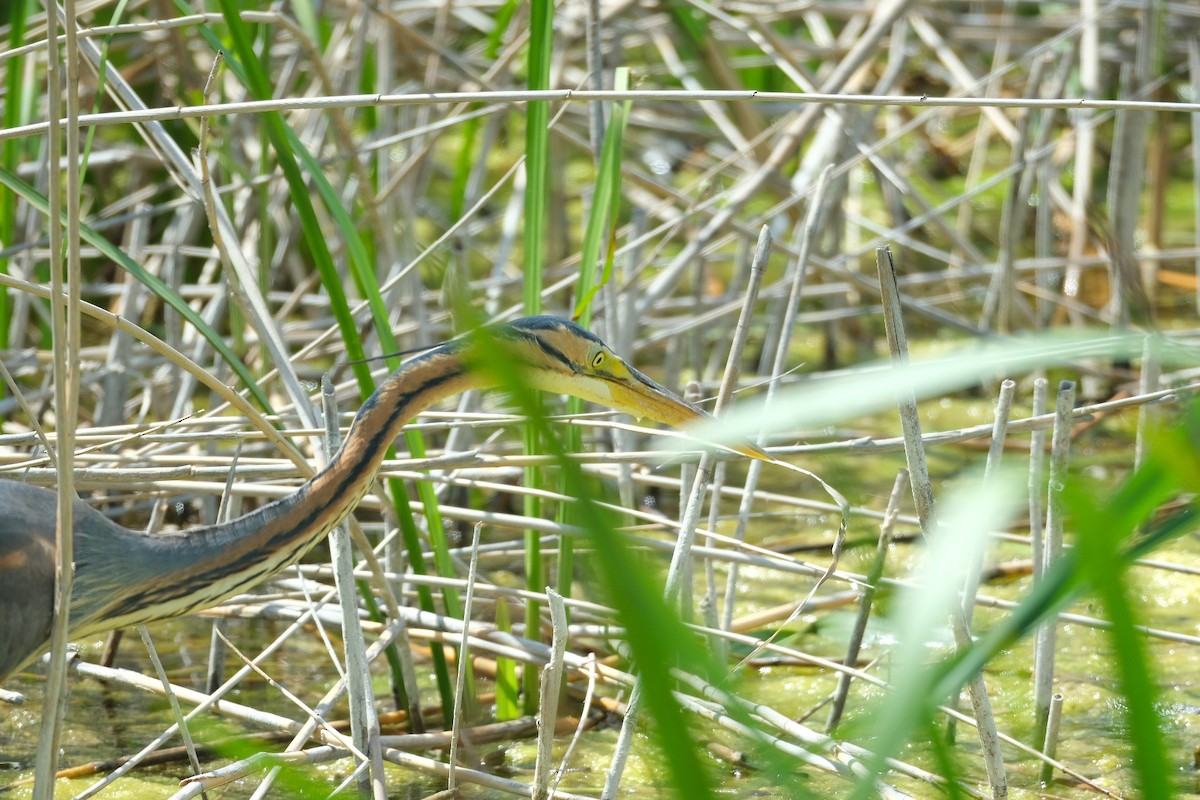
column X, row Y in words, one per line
column 124, row 577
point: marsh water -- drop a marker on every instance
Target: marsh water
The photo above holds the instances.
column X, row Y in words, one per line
column 105, row 721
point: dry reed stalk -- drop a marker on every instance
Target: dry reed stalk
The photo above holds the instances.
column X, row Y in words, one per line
column 922, row 490
column 364, row 722
column 864, row 610
column 1044, row 653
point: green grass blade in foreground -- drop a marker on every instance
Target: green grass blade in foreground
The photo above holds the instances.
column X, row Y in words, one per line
column 966, row 516
column 150, row 281
column 1173, row 468
column 821, row 401
column 1131, row 521
column 1105, row 522
column 1101, row 531
column 1062, row 584
column 508, row 685
column 656, row 636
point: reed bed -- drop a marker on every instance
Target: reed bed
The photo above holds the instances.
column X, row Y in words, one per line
column 872, row 236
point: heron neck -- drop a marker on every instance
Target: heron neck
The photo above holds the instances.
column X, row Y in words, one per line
column 333, row 493
column 231, row 557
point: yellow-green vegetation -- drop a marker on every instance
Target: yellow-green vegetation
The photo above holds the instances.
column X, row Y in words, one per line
column 367, row 180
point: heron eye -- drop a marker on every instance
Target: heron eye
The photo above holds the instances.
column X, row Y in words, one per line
column 597, row 360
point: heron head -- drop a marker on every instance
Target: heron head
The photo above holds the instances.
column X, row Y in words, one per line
column 562, row 357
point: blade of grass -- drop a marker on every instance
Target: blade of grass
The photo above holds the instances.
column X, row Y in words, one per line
column 537, row 151
column 537, row 193
column 870, row 389
column 508, row 688
column 1134, row 528
column 1063, row 584
column 307, row 17
column 967, row 514
column 657, row 637
column 1102, row 530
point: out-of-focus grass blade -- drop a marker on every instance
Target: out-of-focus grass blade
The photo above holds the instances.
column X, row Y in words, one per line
column 693, row 32
column 1142, row 495
column 943, row 754
column 151, row 281
column 1060, row 585
column 965, row 518
column 826, row 400
column 657, row 637
column 1102, row 528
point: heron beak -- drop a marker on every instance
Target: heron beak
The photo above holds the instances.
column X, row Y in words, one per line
column 642, row 397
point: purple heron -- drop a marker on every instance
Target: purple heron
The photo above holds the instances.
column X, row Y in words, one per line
column 125, row 578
